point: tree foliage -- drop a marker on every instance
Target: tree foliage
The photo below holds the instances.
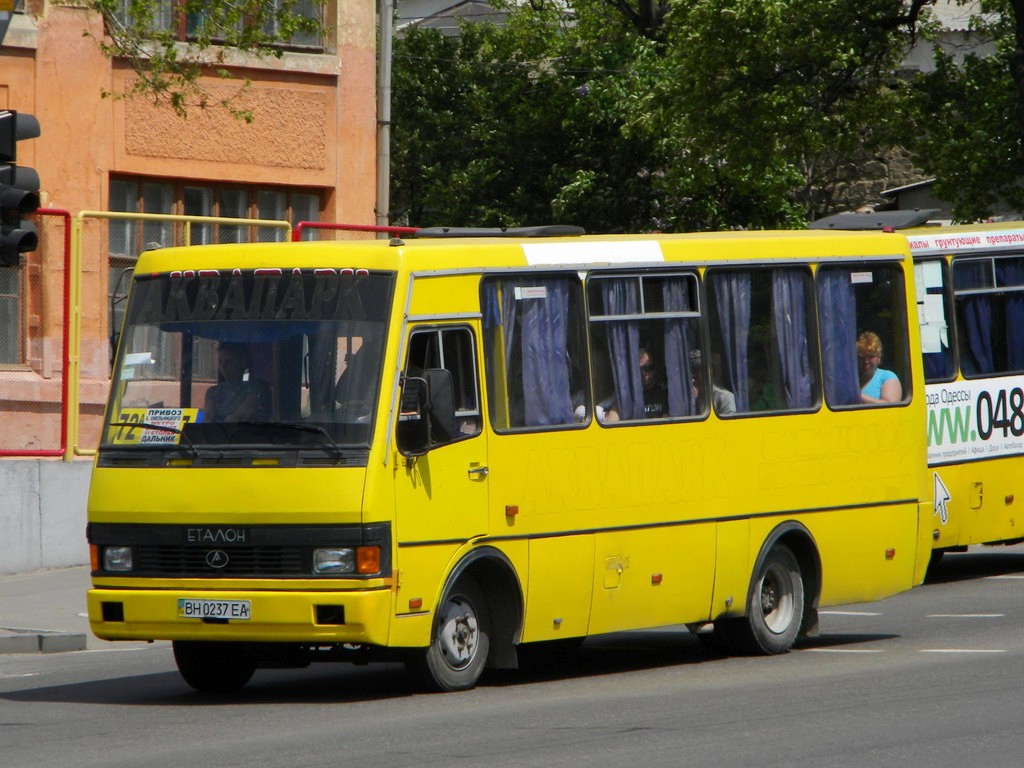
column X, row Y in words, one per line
column 148, row 35
column 627, row 115
column 519, row 123
column 966, row 123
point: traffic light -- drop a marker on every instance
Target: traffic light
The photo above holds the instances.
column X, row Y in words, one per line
column 19, row 189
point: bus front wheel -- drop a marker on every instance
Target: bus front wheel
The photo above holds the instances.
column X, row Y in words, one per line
column 775, row 607
column 214, row 667
column 460, row 641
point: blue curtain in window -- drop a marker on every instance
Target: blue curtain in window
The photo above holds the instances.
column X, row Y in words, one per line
column 678, row 373
column 1010, row 272
column 837, row 311
column 540, row 340
column 732, row 298
column 976, row 312
column 621, row 297
column 547, row 398
column 789, row 313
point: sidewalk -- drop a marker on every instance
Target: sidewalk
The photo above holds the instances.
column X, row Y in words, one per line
column 44, row 611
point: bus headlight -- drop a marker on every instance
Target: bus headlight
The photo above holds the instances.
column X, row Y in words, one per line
column 118, row 559
column 364, row 560
column 334, row 560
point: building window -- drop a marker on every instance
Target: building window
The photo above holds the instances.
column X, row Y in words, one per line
column 128, row 238
column 172, row 16
column 10, row 316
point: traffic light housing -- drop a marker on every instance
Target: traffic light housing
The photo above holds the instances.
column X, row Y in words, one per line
column 19, row 189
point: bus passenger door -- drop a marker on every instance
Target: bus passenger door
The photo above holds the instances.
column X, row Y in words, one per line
column 441, row 496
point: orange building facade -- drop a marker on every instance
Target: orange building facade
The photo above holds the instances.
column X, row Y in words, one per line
column 308, row 155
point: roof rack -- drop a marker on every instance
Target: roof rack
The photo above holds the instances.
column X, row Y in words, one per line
column 879, row 220
column 545, row 230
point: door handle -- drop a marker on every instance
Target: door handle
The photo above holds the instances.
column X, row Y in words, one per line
column 478, row 472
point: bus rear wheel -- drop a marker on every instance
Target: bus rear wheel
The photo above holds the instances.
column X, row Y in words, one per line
column 775, row 607
column 214, row 667
column 459, row 644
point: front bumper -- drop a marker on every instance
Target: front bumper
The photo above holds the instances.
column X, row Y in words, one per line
column 358, row 616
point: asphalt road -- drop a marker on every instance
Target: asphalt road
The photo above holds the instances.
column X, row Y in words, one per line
column 929, row 678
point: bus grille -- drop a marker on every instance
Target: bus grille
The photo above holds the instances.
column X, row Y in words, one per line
column 241, row 561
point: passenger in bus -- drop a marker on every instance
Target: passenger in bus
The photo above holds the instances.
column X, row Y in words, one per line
column 655, row 391
column 237, row 396
column 878, row 385
column 602, row 409
column 722, row 399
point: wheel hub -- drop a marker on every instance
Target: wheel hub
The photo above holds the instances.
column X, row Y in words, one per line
column 458, row 636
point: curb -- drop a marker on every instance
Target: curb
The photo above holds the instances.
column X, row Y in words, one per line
column 15, row 640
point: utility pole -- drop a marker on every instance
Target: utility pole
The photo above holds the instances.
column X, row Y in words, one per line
column 383, row 203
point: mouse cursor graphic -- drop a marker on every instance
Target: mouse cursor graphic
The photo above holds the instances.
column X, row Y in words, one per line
column 941, row 497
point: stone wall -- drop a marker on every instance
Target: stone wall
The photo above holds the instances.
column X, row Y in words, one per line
column 862, row 183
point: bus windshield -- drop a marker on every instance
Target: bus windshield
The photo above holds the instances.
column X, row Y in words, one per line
column 260, row 358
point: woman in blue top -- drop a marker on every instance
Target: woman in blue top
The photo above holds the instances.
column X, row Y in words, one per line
column 877, row 385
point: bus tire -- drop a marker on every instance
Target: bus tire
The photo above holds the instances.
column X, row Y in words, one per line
column 214, row 667
column 934, row 562
column 775, row 607
column 460, row 641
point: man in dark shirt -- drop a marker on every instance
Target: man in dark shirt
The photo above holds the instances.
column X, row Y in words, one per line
column 655, row 392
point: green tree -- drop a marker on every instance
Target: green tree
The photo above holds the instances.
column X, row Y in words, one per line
column 623, row 115
column 220, row 33
column 773, row 98
column 524, row 123
column 966, row 123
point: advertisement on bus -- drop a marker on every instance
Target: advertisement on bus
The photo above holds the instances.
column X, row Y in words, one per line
column 978, row 419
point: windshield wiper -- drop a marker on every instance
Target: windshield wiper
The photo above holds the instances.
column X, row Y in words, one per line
column 159, row 428
column 299, row 426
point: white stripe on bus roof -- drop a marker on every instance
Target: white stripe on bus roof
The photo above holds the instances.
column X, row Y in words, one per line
column 593, row 252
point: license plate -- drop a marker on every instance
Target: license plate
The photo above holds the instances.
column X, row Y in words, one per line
column 236, row 610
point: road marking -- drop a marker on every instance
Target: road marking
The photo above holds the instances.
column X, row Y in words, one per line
column 848, row 613
column 962, row 650
column 1012, row 576
column 965, row 616
column 843, row 650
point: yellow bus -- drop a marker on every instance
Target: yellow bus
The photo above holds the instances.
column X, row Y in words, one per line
column 970, row 297
column 445, row 449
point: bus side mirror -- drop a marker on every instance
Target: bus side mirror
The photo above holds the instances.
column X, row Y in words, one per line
column 426, row 417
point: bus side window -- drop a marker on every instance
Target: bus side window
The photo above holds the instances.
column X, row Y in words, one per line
column 644, row 336
column 535, row 351
column 864, row 342
column 452, row 349
column 761, row 325
column 990, row 314
column 931, row 280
